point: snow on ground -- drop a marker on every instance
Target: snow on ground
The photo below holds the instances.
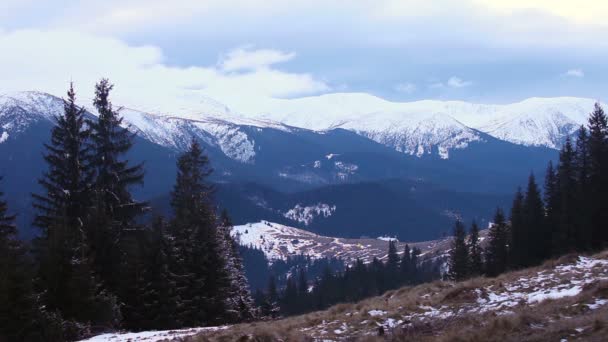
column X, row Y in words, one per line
column 501, row 298
column 306, row 214
column 150, row 336
column 278, row 241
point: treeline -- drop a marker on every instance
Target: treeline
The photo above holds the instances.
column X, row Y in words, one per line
column 94, row 266
column 303, row 293
column 569, row 215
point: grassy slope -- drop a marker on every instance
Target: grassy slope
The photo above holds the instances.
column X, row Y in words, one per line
column 562, row 299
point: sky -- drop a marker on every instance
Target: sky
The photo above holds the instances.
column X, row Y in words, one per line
column 238, row 52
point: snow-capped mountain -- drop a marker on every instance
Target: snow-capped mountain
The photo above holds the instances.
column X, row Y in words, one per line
column 418, row 128
column 412, row 127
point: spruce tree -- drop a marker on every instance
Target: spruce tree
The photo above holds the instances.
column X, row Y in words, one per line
column 583, row 191
column 552, row 209
column 240, row 298
column 392, row 266
column 114, row 210
column 519, row 237
column 204, row 280
column 18, row 304
column 496, row 251
column 159, row 294
column 598, row 177
column 533, row 217
column 459, row 254
column 476, row 262
column 65, row 276
column 566, row 232
column 406, row 261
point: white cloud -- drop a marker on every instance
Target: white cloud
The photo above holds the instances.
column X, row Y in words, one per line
column 406, row 88
column 455, row 82
column 248, row 59
column 578, row 73
column 48, row 60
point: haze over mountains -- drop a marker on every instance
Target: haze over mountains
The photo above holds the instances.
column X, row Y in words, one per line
column 426, row 161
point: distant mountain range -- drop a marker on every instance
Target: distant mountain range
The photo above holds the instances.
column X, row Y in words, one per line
column 315, row 150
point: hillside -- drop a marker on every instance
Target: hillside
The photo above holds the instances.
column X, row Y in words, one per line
column 279, row 242
column 562, row 300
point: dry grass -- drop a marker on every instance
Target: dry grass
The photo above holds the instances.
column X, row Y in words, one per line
column 551, row 320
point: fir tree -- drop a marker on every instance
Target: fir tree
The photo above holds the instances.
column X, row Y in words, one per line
column 392, row 265
column 519, row 238
column 239, row 296
column 114, row 210
column 565, row 232
column 533, row 219
column 583, row 191
column 65, row 275
column 18, row 305
column 459, row 254
column 496, row 251
column 476, row 262
column 406, row 261
column 552, row 209
column 201, row 264
column 598, row 177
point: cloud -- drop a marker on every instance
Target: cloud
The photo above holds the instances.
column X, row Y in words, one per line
column 48, row 60
column 577, row 73
column 455, row 82
column 406, row 88
column 248, row 59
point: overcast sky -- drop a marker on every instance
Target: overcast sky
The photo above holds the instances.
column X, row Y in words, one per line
column 491, row 51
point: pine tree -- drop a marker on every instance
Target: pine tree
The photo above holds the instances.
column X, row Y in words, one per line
column 159, row 295
column 552, row 210
column 392, row 266
column 459, row 254
column 114, row 209
column 566, row 232
column 533, row 218
column 239, row 296
column 519, row 238
column 65, row 275
column 18, row 305
column 476, row 262
column 583, row 191
column 598, row 177
column 204, row 280
column 406, row 261
column 497, row 250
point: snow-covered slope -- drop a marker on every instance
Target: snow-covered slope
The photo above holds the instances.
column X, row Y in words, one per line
column 408, row 126
column 278, row 241
column 415, row 128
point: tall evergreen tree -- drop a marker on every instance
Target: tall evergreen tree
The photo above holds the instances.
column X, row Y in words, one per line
column 392, row 265
column 497, row 250
column 533, row 217
column 519, row 237
column 159, row 294
column 459, row 254
column 114, row 209
column 476, row 261
column 65, row 275
column 18, row 305
column 583, row 191
column 598, row 177
column 552, row 209
column 565, row 233
column 406, row 262
column 239, row 296
column 204, row 278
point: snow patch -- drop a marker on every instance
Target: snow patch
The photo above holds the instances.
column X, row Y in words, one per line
column 306, row 214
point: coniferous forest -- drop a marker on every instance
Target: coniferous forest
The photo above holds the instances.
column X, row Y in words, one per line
column 568, row 215
column 95, row 266
column 101, row 263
